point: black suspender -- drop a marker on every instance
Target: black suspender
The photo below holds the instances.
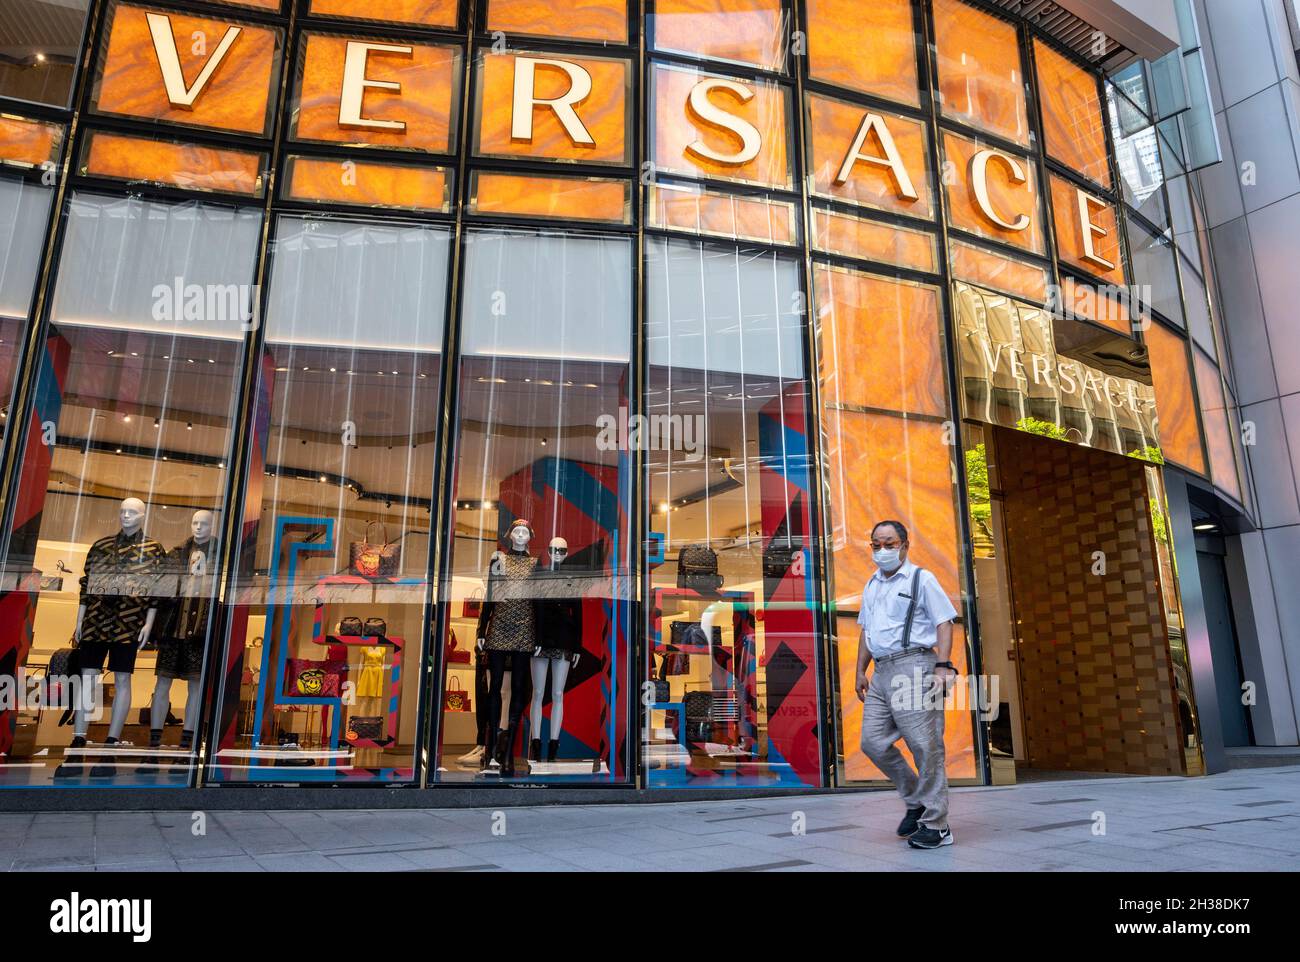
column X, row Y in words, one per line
column 911, row 611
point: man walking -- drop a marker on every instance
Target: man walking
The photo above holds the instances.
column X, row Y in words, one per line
column 906, row 622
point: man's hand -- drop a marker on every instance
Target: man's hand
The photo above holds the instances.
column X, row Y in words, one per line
column 861, row 686
column 947, row 677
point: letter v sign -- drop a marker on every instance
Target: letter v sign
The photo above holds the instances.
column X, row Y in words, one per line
column 164, row 45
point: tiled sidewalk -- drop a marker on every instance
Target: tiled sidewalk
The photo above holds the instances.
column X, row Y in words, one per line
column 1242, row 820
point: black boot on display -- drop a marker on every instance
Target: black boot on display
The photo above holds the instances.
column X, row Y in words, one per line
column 508, row 766
column 489, row 747
column 73, row 768
column 552, row 749
column 151, row 766
column 107, row 766
column 505, row 752
column 535, row 750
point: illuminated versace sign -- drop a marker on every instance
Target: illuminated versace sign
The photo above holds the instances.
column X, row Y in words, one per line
column 362, row 92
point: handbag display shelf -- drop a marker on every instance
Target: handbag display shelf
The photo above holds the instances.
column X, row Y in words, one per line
column 731, row 681
column 344, row 590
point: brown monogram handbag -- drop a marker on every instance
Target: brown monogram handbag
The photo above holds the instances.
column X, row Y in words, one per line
column 376, row 559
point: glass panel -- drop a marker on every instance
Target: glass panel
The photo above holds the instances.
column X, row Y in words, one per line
column 1180, row 436
column 1009, row 209
column 686, row 141
column 1196, row 302
column 886, row 457
column 321, row 675
column 740, row 31
column 40, row 48
column 540, row 558
column 1072, row 121
column 571, row 198
column 980, row 80
column 121, row 499
column 424, row 105
column 1218, row 427
column 604, row 20
column 1137, row 155
column 690, row 207
column 1154, row 272
column 869, row 47
column 890, row 168
column 29, row 143
column 850, row 236
column 24, row 217
column 732, row 637
column 237, row 94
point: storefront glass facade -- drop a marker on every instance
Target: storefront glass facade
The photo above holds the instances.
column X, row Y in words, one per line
column 499, row 392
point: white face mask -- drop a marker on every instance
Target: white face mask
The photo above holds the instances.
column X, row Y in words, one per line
column 885, row 558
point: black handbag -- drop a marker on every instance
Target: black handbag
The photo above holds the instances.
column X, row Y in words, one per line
column 375, row 628
column 365, row 728
column 699, row 715
column 778, row 559
column 350, row 626
column 663, row 691
column 697, row 568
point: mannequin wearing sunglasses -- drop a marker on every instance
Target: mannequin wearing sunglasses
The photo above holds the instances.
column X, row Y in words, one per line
column 559, row 644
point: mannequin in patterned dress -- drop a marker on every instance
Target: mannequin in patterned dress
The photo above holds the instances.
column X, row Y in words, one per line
column 507, row 635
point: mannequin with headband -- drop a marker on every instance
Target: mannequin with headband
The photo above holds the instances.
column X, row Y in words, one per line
column 507, row 633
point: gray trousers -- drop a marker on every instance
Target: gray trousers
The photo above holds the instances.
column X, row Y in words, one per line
column 895, row 707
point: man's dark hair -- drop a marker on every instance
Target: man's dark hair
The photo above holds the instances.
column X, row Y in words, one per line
column 899, row 529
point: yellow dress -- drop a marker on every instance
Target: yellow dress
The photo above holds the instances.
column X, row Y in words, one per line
column 370, row 683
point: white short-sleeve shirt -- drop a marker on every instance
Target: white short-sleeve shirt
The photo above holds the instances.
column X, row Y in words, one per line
column 885, row 600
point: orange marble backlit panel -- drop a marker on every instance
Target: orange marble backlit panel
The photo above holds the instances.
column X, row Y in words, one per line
column 980, row 79
column 531, row 195
column 29, row 142
column 881, row 467
column 743, row 31
column 1070, row 236
column 1009, row 200
column 1218, row 427
column 1100, row 303
column 236, row 95
column 1072, row 117
column 869, row 47
column 423, row 13
column 368, row 184
column 187, row 166
column 833, row 130
column 603, row 114
column 997, row 271
column 429, row 75
column 1180, row 436
column 577, row 19
column 880, row 342
column 850, row 236
column 676, row 126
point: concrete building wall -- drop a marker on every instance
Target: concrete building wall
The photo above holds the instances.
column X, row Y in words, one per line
column 1252, row 202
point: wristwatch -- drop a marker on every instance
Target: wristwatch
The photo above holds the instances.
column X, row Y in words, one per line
column 946, row 664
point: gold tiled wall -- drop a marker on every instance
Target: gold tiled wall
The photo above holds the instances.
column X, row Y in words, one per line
column 1096, row 682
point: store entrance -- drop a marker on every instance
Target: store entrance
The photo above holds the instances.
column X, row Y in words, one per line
column 1072, row 612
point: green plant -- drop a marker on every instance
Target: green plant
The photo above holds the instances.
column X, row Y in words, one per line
column 1150, row 453
column 1046, row 429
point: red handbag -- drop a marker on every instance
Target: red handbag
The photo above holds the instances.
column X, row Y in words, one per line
column 309, row 678
column 454, row 697
column 472, row 606
column 453, row 654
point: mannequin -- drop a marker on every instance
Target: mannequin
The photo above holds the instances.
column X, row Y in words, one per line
column 507, row 635
column 184, row 636
column 115, row 619
column 559, row 636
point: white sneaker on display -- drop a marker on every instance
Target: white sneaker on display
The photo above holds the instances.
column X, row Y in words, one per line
column 471, row 757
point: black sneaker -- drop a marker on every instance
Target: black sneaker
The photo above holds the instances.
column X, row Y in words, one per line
column 911, row 822
column 930, row 838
